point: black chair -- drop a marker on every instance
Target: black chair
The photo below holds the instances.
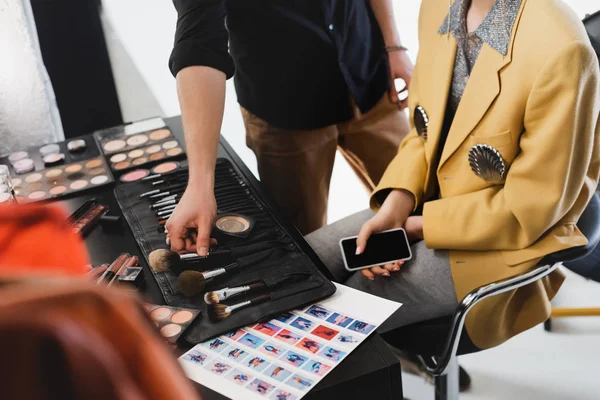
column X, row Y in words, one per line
column 439, row 342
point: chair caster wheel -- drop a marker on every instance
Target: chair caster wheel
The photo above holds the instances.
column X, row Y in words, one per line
column 548, row 325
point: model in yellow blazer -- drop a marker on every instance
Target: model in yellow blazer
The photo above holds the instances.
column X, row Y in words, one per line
column 539, row 107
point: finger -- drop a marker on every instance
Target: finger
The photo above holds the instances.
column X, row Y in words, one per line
column 176, row 235
column 363, row 236
column 367, row 274
column 203, row 238
column 88, row 268
column 213, row 242
column 393, row 95
column 392, row 267
column 96, row 272
column 190, row 245
column 380, row 271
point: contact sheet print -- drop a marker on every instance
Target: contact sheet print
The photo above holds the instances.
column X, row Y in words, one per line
column 283, row 359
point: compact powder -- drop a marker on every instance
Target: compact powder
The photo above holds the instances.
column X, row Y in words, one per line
column 24, row 166
column 16, row 181
column 137, row 140
column 157, row 156
column 54, row 158
column 79, row 184
column 99, row 180
column 36, row 195
column 160, row 134
column 153, row 149
column 140, row 161
column 93, row 164
column 73, row 168
column 49, row 149
column 170, row 330
column 76, row 145
column 174, row 152
column 56, row 190
column 33, row 178
column 118, row 158
column 114, row 145
column 170, row 144
column 121, row 165
column 181, row 317
column 96, row 171
column 135, row 175
column 136, row 153
column 53, row 173
column 17, row 155
column 160, row 313
column 34, row 186
column 232, row 224
column 165, row 167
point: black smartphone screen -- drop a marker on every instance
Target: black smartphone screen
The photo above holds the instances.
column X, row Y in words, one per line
column 381, row 248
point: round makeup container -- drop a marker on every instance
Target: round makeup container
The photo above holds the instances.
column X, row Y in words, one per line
column 77, row 146
column 117, row 158
column 160, row 134
column 49, row 149
column 16, row 156
column 137, row 140
column 182, row 317
column 160, row 314
column 135, row 175
column 24, row 166
column 169, row 331
column 114, row 145
column 234, row 225
column 54, row 159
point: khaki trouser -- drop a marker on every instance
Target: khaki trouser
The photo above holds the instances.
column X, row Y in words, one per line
column 295, row 166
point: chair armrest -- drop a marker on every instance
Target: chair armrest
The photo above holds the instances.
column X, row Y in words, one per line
column 438, row 365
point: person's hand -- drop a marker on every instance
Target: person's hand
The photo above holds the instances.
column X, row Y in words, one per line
column 93, row 274
column 414, row 228
column 400, row 67
column 393, row 214
column 191, row 223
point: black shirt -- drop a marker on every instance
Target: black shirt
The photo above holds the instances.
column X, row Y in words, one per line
column 297, row 62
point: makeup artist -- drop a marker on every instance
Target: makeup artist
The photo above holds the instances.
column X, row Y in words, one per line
column 503, row 170
column 310, row 76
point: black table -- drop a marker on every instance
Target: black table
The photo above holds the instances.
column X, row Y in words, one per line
column 371, row 371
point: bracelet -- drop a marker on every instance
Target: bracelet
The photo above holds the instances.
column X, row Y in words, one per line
column 389, row 49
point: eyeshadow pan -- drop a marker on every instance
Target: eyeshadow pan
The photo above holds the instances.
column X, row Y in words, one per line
column 53, row 159
column 17, row 155
column 165, row 167
column 93, row 164
column 23, row 166
column 16, row 182
column 153, row 149
column 99, row 180
column 79, row 184
column 137, row 140
column 49, row 149
column 56, row 190
column 114, row 145
column 160, row 134
column 96, row 171
column 33, row 178
column 174, row 152
column 53, row 173
column 170, row 330
column 73, row 168
column 160, row 313
column 136, row 153
column 135, row 175
column 157, row 156
column 36, row 195
column 181, row 317
column 121, row 165
column 118, row 158
column 170, row 144
column 32, row 187
column 140, row 161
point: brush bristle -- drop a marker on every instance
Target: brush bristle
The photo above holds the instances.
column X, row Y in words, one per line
column 218, row 312
column 212, row 298
column 163, row 259
column 191, row 283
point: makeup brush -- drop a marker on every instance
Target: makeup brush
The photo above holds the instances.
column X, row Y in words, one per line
column 227, row 293
column 166, row 175
column 163, row 189
column 167, row 193
column 166, row 210
column 171, row 179
column 163, row 259
column 220, row 312
column 192, row 283
column 166, row 201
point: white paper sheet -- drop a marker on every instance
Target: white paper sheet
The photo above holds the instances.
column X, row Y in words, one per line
column 286, row 357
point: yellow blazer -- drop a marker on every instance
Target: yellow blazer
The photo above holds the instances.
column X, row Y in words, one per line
column 539, row 106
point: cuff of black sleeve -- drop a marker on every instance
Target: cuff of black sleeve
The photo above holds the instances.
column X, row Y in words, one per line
column 191, row 54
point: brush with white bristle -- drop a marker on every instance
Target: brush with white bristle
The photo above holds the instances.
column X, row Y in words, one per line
column 218, row 296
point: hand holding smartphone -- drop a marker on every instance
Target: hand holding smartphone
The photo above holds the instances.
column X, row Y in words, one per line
column 382, row 248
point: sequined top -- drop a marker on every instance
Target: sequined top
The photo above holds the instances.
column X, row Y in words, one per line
column 495, row 30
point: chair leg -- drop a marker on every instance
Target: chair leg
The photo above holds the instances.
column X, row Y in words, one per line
column 446, row 386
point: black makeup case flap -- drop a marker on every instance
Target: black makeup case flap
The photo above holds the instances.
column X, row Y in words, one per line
column 269, row 254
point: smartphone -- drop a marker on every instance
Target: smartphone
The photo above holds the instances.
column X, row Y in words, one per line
column 382, row 248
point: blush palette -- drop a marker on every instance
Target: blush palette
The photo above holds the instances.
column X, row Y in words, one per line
column 171, row 321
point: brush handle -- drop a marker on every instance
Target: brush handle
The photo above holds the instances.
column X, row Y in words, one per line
column 166, row 210
column 228, row 293
column 220, row 271
column 257, row 300
column 167, row 201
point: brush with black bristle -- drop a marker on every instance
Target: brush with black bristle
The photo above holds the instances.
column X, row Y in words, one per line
column 163, row 259
column 218, row 296
column 192, row 283
column 220, row 312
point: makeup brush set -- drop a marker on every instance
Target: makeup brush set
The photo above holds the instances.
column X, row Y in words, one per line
column 57, row 170
column 254, row 271
column 139, row 149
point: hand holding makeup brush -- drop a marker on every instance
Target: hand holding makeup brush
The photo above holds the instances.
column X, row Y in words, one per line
column 191, row 223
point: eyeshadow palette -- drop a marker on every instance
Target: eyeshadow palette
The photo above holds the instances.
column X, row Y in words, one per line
column 171, row 321
column 145, row 155
column 123, row 138
column 62, row 180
